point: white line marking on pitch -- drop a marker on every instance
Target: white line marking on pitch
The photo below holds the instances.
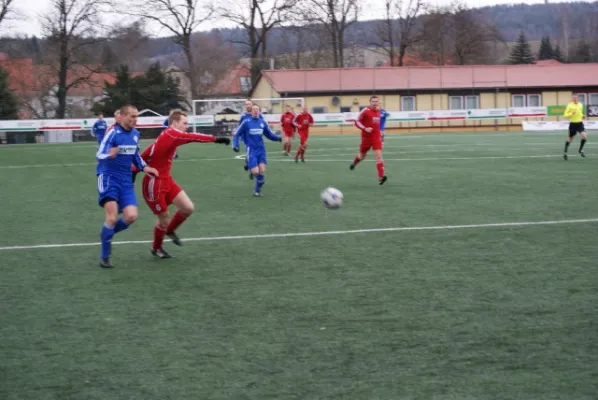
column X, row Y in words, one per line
column 322, row 233
column 277, row 158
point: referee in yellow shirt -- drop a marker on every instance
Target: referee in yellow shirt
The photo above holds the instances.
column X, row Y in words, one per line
column 574, row 113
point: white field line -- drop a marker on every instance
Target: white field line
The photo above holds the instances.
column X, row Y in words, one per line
column 323, row 233
column 277, row 157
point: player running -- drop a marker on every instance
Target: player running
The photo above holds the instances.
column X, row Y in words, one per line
column 250, row 132
column 303, row 121
column 99, row 128
column 288, row 129
column 160, row 192
column 118, row 150
column 247, row 115
column 369, row 123
column 574, row 113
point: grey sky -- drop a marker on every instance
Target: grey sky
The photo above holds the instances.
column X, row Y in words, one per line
column 30, row 9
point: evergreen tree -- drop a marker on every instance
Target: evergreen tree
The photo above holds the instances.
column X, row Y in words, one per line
column 153, row 90
column 558, row 54
column 109, row 58
column 9, row 107
column 583, row 53
column 521, row 53
column 546, row 52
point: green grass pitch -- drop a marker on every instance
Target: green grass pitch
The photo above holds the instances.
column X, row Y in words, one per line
column 459, row 299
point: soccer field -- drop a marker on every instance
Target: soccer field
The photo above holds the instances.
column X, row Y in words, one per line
column 472, row 274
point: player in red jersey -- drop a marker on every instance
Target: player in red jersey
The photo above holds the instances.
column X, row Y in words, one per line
column 288, row 129
column 162, row 191
column 371, row 138
column 303, row 121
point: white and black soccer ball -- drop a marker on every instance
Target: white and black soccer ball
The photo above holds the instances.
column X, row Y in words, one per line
column 331, row 198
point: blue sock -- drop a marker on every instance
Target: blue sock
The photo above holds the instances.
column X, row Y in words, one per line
column 121, row 225
column 259, row 182
column 106, row 236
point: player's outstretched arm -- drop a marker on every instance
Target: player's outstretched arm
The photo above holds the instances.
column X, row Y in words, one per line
column 271, row 135
column 237, row 136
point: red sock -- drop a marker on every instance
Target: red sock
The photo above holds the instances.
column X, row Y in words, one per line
column 298, row 153
column 176, row 221
column 159, row 234
column 357, row 160
column 380, row 167
column 303, row 151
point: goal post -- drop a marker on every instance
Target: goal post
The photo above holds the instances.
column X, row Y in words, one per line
column 221, row 116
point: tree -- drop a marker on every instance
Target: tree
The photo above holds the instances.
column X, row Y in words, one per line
column 71, row 29
column 546, row 51
column 521, row 53
column 583, row 53
column 471, row 36
column 180, row 18
column 9, row 108
column 458, row 35
column 558, row 54
column 257, row 18
column 336, row 16
column 397, row 32
column 7, row 10
column 154, row 90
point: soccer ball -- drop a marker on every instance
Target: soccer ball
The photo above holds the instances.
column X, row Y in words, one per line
column 331, row 198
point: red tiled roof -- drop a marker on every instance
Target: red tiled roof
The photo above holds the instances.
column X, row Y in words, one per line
column 548, row 62
column 230, row 83
column 422, row 78
column 411, row 60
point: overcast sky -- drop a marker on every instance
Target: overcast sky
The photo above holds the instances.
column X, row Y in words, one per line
column 32, row 8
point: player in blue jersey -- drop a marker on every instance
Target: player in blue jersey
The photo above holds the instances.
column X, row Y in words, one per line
column 250, row 132
column 383, row 115
column 99, row 128
column 118, row 150
column 247, row 115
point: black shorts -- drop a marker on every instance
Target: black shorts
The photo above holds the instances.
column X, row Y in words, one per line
column 575, row 128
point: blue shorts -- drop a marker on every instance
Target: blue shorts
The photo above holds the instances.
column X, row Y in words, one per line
column 99, row 138
column 255, row 157
column 112, row 189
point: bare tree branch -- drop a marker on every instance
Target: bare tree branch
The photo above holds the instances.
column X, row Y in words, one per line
column 336, row 16
column 397, row 32
column 71, row 27
column 181, row 18
column 257, row 18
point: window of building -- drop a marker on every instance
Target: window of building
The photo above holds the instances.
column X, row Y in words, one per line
column 472, row 102
column 455, row 102
column 518, row 100
column 345, row 109
column 318, row 110
column 534, row 100
column 526, row 100
column 583, row 98
column 245, row 83
column 593, row 99
column 408, row 103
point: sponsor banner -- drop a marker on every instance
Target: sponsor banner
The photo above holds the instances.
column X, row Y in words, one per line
column 487, row 113
column 519, row 112
column 592, row 111
column 555, row 125
column 446, row 115
column 406, row 116
column 558, row 111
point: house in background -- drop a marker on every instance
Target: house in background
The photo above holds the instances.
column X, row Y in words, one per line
column 332, row 90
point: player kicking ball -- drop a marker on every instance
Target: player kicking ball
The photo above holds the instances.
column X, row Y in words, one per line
column 369, row 123
column 574, row 113
column 251, row 132
column 118, row 150
column 162, row 191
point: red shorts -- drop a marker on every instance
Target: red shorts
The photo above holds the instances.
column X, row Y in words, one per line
column 303, row 136
column 370, row 142
column 159, row 192
column 290, row 134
